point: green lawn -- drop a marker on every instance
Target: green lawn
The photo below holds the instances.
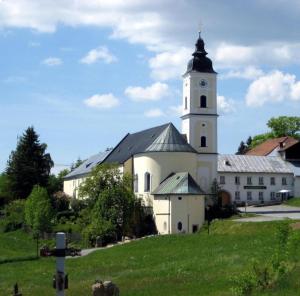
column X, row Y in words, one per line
column 16, row 244
column 198, row 264
column 295, row 202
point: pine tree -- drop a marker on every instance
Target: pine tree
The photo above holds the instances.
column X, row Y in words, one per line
column 242, row 148
column 28, row 165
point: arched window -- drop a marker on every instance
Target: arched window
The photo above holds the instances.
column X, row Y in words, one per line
column 179, row 226
column 203, row 103
column 203, row 141
column 136, row 183
column 147, row 182
column 185, row 103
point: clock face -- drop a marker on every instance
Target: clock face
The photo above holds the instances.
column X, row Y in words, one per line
column 203, row 83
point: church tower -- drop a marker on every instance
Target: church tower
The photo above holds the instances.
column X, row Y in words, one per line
column 199, row 117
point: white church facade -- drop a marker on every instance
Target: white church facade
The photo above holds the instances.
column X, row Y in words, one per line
column 173, row 171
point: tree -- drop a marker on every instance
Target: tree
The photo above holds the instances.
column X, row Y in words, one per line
column 76, row 164
column 242, row 148
column 5, row 194
column 38, row 210
column 110, row 199
column 281, row 126
column 285, row 126
column 28, row 165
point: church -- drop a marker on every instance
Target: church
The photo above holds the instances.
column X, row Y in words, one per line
column 173, row 171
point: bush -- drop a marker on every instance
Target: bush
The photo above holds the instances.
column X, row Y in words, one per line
column 60, row 201
column 14, row 216
column 38, row 210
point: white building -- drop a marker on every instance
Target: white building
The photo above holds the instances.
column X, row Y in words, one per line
column 173, row 171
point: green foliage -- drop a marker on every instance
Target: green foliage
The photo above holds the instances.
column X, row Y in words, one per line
column 28, row 165
column 279, row 127
column 14, row 215
column 76, row 164
column 258, row 139
column 5, row 194
column 56, row 183
column 265, row 274
column 38, row 210
column 60, row 201
column 111, row 202
column 285, row 126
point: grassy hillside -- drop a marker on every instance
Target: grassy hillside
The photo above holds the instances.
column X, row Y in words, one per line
column 16, row 244
column 197, row 264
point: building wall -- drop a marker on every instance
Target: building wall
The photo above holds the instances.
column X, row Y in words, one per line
column 160, row 165
column 189, row 211
column 170, row 210
column 297, row 186
column 231, row 187
column 71, row 186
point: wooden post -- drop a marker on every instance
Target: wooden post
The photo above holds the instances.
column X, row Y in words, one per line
column 60, row 264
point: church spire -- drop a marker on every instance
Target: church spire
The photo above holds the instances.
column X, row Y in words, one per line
column 200, row 62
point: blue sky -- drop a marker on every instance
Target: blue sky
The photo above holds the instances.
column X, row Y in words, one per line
column 84, row 73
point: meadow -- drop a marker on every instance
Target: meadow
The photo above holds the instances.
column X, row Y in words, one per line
column 198, row 264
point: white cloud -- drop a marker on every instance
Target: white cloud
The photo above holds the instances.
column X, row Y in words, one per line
column 175, row 110
column 248, row 73
column 273, row 87
column 99, row 54
column 154, row 113
column 105, row 101
column 154, row 92
column 168, row 64
column 52, row 61
column 225, row 105
column 234, row 56
column 151, row 23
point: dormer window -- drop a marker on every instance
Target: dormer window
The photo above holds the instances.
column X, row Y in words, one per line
column 203, row 102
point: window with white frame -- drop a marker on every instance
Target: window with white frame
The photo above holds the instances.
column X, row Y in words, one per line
column 273, row 195
column 237, row 195
column 272, row 181
column 249, row 180
column 260, row 195
column 237, row 180
column 222, row 179
column 249, row 195
column 261, row 180
column 284, row 181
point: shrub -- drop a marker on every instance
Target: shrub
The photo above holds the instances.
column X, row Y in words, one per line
column 60, row 201
column 38, row 210
column 14, row 216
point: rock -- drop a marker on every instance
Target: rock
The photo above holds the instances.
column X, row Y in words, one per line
column 108, row 288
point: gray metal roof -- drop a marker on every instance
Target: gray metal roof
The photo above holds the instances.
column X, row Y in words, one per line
column 252, row 164
column 160, row 138
column 295, row 167
column 170, row 140
column 87, row 165
column 178, row 183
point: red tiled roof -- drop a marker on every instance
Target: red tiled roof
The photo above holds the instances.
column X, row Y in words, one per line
column 268, row 146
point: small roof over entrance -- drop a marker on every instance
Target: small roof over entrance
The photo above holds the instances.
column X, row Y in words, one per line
column 178, row 183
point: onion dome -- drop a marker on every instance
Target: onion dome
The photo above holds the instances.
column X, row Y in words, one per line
column 200, row 62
